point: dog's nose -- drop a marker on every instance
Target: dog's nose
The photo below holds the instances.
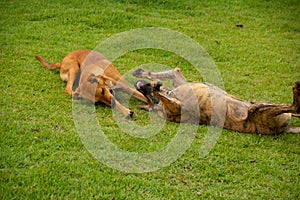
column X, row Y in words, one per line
column 140, row 84
column 112, row 92
column 113, row 102
column 157, row 86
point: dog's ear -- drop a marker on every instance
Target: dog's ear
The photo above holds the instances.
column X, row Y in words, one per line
column 93, row 78
column 108, row 81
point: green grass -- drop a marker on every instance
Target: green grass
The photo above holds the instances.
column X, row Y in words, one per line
column 42, row 156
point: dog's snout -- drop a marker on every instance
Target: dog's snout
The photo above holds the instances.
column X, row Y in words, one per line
column 113, row 103
column 157, row 86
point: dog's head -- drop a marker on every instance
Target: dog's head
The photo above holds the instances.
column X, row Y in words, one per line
column 96, row 89
column 147, row 90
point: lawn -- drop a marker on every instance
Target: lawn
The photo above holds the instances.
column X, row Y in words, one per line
column 255, row 46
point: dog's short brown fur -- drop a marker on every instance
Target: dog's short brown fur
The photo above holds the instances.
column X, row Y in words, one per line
column 97, row 78
column 216, row 107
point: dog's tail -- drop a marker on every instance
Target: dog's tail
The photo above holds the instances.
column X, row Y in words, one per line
column 48, row 65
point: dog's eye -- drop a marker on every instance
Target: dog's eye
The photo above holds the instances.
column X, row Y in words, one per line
column 102, row 91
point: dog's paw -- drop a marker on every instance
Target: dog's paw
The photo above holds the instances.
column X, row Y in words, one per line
column 130, row 115
column 68, row 91
column 296, row 91
column 297, row 85
column 138, row 72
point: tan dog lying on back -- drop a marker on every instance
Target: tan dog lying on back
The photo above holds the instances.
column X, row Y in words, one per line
column 198, row 102
column 97, row 78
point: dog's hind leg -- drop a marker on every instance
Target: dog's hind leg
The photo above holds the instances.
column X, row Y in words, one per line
column 274, row 110
column 271, row 118
column 296, row 96
column 292, row 130
column 296, row 115
column 71, row 79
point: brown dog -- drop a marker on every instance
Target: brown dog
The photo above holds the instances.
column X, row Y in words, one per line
column 216, row 107
column 97, row 78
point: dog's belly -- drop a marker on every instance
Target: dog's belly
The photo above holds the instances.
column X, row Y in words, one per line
column 218, row 108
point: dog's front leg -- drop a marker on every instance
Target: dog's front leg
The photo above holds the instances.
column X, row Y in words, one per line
column 116, row 105
column 174, row 75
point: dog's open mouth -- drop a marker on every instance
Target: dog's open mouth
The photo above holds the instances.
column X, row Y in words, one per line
column 146, row 89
